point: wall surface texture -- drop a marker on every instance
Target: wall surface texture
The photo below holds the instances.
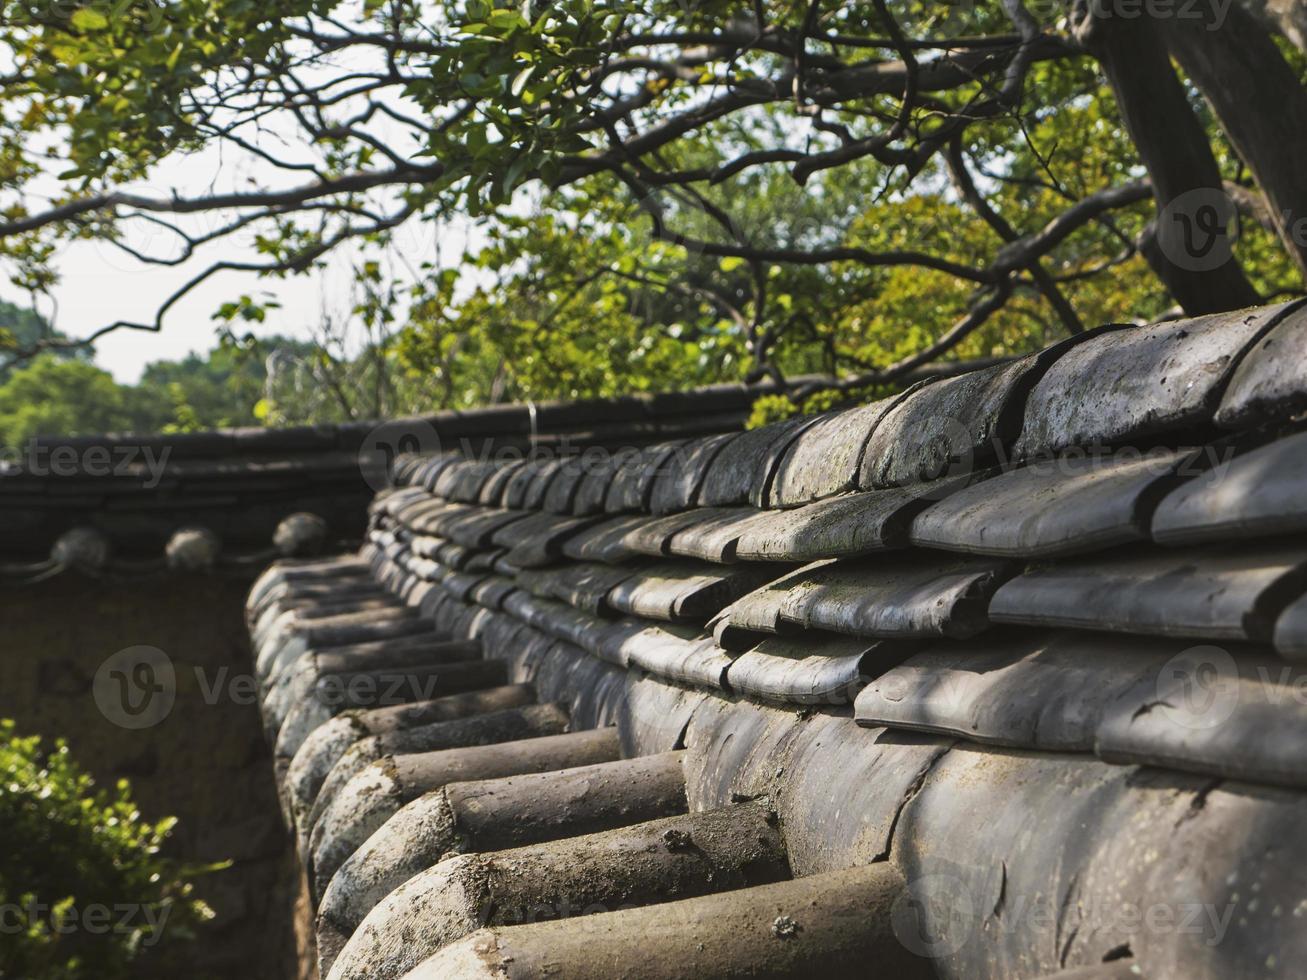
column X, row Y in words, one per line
column 205, row 762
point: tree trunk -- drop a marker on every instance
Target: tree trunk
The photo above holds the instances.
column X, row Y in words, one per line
column 1288, row 16
column 1192, row 257
column 1261, row 104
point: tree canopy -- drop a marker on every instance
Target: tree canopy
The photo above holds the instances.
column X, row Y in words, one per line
column 674, row 191
column 240, row 381
column 22, row 329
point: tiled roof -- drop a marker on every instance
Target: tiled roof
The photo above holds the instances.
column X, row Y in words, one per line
column 995, row 678
column 139, row 504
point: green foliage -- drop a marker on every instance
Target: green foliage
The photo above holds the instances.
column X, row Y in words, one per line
column 23, row 329
column 771, row 408
column 51, row 396
column 616, row 247
column 579, row 305
column 213, row 390
column 84, row 890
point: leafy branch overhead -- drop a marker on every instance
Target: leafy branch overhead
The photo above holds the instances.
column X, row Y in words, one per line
column 675, row 190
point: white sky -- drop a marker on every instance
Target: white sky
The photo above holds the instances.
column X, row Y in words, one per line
column 100, row 284
column 97, row 288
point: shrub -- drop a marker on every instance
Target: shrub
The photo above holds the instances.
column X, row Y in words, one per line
column 84, row 890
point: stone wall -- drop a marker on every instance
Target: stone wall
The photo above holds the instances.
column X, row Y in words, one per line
column 205, row 761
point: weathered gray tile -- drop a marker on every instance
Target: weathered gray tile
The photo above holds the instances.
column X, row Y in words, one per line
column 654, row 535
column 492, row 590
column 682, row 656
column 584, row 585
column 1227, row 713
column 684, row 590
column 1054, row 507
column 460, row 584
column 428, row 469
column 463, row 480
column 904, row 594
column 472, row 527
column 426, row 568
column 492, row 491
column 824, row 458
column 537, row 539
column 760, row 610
column 557, row 619
column 655, row 714
column 426, row 546
column 1291, row 630
column 952, row 426
column 605, row 541
column 800, row 671
column 1271, row 380
column 519, row 484
column 406, row 468
column 585, row 685
column 714, row 536
column 839, row 527
column 1023, row 689
column 1260, row 492
column 599, row 471
column 632, row 484
column 562, row 490
column 1118, row 969
column 844, row 822
column 1022, row 862
column 742, row 470
column 481, row 561
column 421, row 514
column 448, row 476
column 683, row 473
column 1229, row 593
column 545, row 476
column 1132, row 383
column 735, row 750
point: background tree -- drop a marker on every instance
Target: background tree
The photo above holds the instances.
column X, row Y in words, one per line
column 23, row 330
column 673, row 191
column 231, row 385
column 80, row 858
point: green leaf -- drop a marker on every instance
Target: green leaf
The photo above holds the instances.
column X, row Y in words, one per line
column 89, row 19
column 506, row 19
column 522, row 78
